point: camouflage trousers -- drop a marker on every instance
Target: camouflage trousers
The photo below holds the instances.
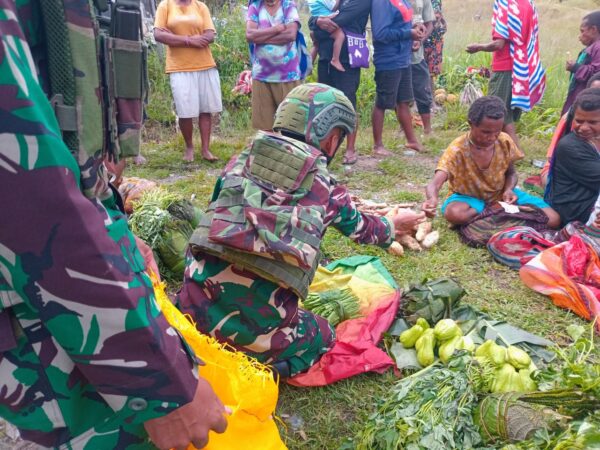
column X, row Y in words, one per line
column 252, row 314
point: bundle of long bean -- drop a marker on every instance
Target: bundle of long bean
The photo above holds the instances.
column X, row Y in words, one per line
column 336, row 305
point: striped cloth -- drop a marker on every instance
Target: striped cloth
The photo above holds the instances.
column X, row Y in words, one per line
column 517, row 22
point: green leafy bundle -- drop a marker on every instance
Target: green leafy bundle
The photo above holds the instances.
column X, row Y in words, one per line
column 336, row 305
column 432, row 409
column 165, row 222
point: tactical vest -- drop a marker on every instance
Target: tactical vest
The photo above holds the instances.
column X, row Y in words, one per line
column 268, row 212
column 97, row 79
column 97, row 85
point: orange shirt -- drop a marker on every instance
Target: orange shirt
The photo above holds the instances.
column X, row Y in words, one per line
column 466, row 178
column 188, row 20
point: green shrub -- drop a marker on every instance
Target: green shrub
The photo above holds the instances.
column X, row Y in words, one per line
column 160, row 102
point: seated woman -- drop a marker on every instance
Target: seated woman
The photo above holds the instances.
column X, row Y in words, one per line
column 479, row 167
column 574, row 180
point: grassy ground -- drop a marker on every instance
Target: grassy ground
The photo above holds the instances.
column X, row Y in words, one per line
column 323, row 418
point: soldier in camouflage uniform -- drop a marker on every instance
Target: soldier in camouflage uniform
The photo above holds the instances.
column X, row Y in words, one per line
column 87, row 360
column 255, row 252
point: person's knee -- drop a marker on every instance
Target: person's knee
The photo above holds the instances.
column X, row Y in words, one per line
column 459, row 213
column 553, row 217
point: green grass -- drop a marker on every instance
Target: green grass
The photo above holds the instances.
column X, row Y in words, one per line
column 330, row 415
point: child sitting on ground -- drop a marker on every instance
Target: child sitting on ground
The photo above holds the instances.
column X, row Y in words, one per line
column 327, row 8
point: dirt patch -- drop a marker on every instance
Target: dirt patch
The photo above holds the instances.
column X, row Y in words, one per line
column 365, row 163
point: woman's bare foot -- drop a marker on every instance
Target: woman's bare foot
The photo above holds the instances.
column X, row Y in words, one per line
column 208, row 156
column 417, row 146
column 188, row 156
column 380, row 150
column 350, row 157
column 338, row 65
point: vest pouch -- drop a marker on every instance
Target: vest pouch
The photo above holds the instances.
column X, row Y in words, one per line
column 127, row 88
column 248, row 220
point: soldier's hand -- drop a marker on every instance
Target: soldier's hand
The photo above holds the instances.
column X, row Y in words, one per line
column 190, row 423
column 406, row 222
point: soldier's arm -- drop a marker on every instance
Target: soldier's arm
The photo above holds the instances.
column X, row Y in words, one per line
column 73, row 261
column 361, row 228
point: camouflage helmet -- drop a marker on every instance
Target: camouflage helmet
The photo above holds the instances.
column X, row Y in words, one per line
column 311, row 111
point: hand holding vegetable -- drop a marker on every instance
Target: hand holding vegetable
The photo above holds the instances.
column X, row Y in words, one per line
column 405, row 222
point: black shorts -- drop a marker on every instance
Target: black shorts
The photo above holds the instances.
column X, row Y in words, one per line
column 421, row 83
column 393, row 87
column 347, row 81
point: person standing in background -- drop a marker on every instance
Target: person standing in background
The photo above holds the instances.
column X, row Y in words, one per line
column 421, row 83
column 393, row 36
column 352, row 17
column 433, row 46
column 518, row 76
column 271, row 28
column 186, row 28
column 588, row 61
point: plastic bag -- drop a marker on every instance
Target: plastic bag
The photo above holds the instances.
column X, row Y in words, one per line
column 240, row 382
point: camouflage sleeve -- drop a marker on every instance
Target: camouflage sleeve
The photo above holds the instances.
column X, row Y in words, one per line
column 361, row 228
column 72, row 262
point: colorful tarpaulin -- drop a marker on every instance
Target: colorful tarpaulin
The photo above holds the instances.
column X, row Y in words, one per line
column 240, row 382
column 569, row 273
column 355, row 350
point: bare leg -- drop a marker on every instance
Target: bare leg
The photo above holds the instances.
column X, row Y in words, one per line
column 426, row 119
column 350, row 157
column 459, row 213
column 205, row 123
column 187, row 130
column 405, row 121
column 511, row 130
column 338, row 41
column 314, row 52
column 553, row 217
column 377, row 118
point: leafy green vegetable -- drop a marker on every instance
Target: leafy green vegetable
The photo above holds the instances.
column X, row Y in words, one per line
column 432, row 300
column 432, row 409
column 335, row 305
column 579, row 367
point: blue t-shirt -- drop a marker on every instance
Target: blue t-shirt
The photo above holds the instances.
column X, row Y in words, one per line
column 321, row 8
column 392, row 43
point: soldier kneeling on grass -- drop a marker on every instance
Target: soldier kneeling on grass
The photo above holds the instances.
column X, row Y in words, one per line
column 256, row 251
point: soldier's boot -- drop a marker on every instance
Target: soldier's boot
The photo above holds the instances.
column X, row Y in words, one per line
column 281, row 369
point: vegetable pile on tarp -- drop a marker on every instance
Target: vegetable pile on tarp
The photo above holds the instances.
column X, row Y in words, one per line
column 432, row 410
column 508, row 402
column 165, row 221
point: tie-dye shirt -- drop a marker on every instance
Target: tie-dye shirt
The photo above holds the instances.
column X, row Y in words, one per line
column 274, row 63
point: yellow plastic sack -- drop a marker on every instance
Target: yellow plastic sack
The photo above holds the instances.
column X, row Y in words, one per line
column 242, row 383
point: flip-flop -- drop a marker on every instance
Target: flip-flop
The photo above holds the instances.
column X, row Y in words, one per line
column 350, row 162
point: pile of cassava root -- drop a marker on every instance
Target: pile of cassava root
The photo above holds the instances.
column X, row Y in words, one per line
column 423, row 238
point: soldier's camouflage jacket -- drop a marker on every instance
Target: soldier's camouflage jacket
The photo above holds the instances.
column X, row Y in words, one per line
column 85, row 355
column 255, row 313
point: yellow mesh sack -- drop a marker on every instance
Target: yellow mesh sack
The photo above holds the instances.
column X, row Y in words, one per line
column 242, row 383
